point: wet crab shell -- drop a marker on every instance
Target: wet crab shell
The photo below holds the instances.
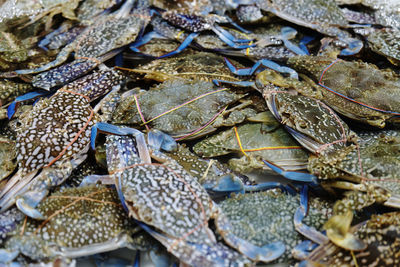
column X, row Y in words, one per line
column 52, row 125
column 377, row 159
column 361, row 91
column 260, row 219
column 183, row 120
column 78, row 219
column 386, row 43
column 320, row 15
column 190, row 65
column 254, row 136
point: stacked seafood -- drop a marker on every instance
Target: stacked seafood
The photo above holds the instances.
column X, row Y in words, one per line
column 206, row 133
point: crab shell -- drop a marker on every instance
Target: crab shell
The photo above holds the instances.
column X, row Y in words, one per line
column 362, row 82
column 81, row 221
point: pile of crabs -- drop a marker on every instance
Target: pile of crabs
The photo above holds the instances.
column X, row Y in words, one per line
column 201, row 133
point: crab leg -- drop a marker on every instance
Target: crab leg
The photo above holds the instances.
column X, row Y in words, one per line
column 301, row 212
column 112, row 129
column 144, row 40
column 304, row 41
column 288, row 33
column 263, row 62
column 15, row 184
column 197, row 254
column 291, row 175
column 182, row 46
column 29, row 96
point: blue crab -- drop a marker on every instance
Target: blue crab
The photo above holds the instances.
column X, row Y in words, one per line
column 369, row 171
column 259, row 141
column 259, row 218
column 55, row 137
column 192, row 22
column 98, row 42
column 190, row 65
column 160, row 193
column 320, row 15
column 191, row 108
column 306, row 118
column 80, row 221
column 357, row 90
column 17, row 12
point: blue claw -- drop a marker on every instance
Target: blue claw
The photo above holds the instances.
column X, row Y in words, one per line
column 229, row 36
column 289, row 33
column 211, row 254
column 144, row 40
column 226, row 184
column 265, row 253
column 303, row 209
column 263, row 62
column 237, row 26
column 240, row 72
column 229, row 39
column 121, row 195
column 137, row 259
column 262, row 186
column 303, row 229
column 291, row 175
column 110, row 129
column 28, row 202
column 303, row 43
column 354, row 46
column 182, row 46
column 159, row 140
column 29, row 96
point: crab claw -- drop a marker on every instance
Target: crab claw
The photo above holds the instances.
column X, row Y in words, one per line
column 261, row 63
column 291, row 175
column 159, row 140
column 337, row 230
column 226, row 184
column 198, row 254
column 7, row 256
column 393, row 201
column 182, row 46
column 301, row 212
column 265, row 253
column 28, row 202
column 28, row 96
column 289, row 33
column 116, row 130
